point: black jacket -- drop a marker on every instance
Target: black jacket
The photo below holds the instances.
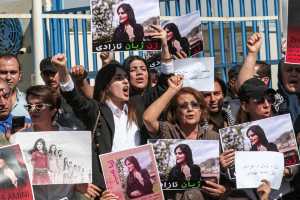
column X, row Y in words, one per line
column 177, row 175
column 133, row 184
column 120, row 34
column 87, row 111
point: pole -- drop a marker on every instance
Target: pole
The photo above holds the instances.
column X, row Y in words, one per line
column 38, row 46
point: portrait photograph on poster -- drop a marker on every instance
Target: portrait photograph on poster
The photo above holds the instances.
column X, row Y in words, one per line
column 124, row 25
column 184, row 34
column 132, row 173
column 270, row 134
column 58, row 157
column 184, row 164
column 14, row 177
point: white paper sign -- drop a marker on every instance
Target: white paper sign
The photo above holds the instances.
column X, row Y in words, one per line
column 198, row 72
column 57, row 157
column 253, row 166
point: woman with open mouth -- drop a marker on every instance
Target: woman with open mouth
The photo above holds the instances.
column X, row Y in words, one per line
column 108, row 115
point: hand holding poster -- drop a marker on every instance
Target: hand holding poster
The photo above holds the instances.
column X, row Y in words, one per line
column 14, row 178
column 198, row 72
column 124, row 25
column 251, row 168
column 184, row 164
column 61, row 157
column 132, row 173
column 270, row 134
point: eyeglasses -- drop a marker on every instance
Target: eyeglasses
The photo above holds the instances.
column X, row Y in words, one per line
column 193, row 104
column 37, row 107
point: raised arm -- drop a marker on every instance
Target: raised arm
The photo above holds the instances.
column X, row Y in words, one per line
column 153, row 112
column 161, row 34
column 79, row 73
column 248, row 69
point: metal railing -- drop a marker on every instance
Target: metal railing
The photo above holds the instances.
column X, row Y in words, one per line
column 226, row 24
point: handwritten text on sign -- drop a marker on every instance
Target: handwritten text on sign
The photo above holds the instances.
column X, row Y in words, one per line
column 253, row 166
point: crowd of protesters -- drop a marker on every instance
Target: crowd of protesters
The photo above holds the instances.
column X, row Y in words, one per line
column 127, row 106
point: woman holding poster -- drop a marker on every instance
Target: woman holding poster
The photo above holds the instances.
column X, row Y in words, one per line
column 138, row 180
column 179, row 46
column 128, row 30
column 258, row 140
column 185, row 115
column 184, row 170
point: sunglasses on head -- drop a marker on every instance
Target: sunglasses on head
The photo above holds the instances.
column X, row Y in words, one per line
column 193, row 104
column 37, row 107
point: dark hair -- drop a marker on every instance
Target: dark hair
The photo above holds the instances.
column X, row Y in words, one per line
column 127, row 64
column 103, row 78
column 35, row 146
column 50, row 149
column 264, row 69
column 129, row 11
column 260, row 133
column 186, row 150
column 222, row 84
column 134, row 161
column 10, row 56
column 173, row 106
column 174, row 29
column 46, row 94
column 233, row 72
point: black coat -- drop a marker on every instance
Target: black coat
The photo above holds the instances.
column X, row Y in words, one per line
column 133, row 184
column 87, row 111
column 269, row 146
column 120, row 34
column 177, row 175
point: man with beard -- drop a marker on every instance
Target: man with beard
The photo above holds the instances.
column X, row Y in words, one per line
column 220, row 113
column 10, row 71
column 65, row 115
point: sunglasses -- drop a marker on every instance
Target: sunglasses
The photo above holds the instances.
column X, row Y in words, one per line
column 192, row 104
column 37, row 107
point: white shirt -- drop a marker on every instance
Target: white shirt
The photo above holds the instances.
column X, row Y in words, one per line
column 126, row 136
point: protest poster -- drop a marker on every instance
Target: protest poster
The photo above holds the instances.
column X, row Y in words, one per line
column 270, row 134
column 57, row 157
column 14, row 178
column 124, row 25
column 251, row 168
column 198, row 72
column 184, row 34
column 132, row 173
column 199, row 158
column 293, row 35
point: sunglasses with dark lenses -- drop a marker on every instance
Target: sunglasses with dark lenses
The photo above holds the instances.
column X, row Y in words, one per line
column 269, row 98
column 193, row 104
column 37, row 107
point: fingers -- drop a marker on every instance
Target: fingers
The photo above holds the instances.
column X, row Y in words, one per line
column 59, row 60
column 254, row 38
column 214, row 189
column 93, row 190
column 227, row 158
column 107, row 195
